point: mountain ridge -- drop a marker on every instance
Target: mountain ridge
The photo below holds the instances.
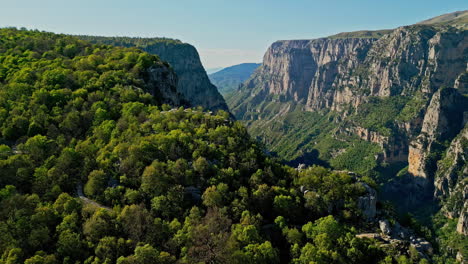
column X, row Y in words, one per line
column 228, row 79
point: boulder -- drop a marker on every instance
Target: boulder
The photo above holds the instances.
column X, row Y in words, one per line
column 385, row 227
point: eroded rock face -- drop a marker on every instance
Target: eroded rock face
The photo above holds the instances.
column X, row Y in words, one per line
column 193, row 82
column 341, row 74
column 335, row 73
column 304, row 70
column 385, row 227
column 395, row 149
column 443, row 120
column 162, row 84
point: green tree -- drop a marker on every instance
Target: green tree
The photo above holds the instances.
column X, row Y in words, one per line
column 97, row 183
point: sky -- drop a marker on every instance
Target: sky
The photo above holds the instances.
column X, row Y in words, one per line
column 224, row 32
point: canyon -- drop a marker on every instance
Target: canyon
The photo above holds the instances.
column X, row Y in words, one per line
column 392, row 104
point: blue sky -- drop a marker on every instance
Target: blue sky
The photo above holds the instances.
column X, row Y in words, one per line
column 224, row 32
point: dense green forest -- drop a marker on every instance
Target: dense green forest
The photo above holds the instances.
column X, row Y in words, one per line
column 94, row 168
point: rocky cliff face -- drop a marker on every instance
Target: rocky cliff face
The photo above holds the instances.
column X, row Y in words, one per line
column 162, row 83
column 334, row 73
column 193, row 82
column 305, row 70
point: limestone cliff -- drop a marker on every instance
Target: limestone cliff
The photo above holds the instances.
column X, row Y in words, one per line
column 162, row 84
column 304, row 71
column 342, row 74
column 193, row 82
column 387, row 104
column 334, row 73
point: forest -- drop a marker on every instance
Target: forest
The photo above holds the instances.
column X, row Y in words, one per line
column 96, row 168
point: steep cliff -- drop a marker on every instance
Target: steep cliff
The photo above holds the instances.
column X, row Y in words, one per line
column 162, row 83
column 380, row 87
column 391, row 104
column 193, row 81
column 334, row 73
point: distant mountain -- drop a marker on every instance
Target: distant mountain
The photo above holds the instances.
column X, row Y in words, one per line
column 459, row 18
column 213, row 70
column 228, row 79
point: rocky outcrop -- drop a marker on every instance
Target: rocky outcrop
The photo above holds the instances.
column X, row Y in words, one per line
column 394, row 148
column 367, row 203
column 384, row 226
column 342, row 74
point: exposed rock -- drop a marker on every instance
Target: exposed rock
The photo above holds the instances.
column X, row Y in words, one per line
column 335, row 77
column 422, row 246
column 341, row 74
column 300, row 167
column 304, row 70
column 369, row 235
column 460, row 258
column 335, row 73
column 399, row 237
column 162, row 85
column 462, row 226
column 394, row 148
column 384, row 226
column 193, row 81
column 367, row 203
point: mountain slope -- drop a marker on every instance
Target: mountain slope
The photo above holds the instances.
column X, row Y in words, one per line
column 229, row 79
column 458, row 18
column 193, row 81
